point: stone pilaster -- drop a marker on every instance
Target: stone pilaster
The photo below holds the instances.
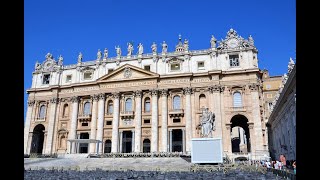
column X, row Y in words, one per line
column 73, row 126
column 137, row 147
column 256, row 119
column 100, row 119
column 154, row 126
column 217, row 105
column 170, row 141
column 120, row 146
column 252, row 141
column 164, row 122
column 93, row 130
column 27, row 125
column 184, row 141
column 187, row 92
column 133, row 141
column 115, row 123
column 51, row 125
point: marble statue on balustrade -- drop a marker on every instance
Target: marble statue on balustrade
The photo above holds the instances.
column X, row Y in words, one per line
column 105, row 53
column 213, row 41
column 207, row 123
column 60, row 60
column 154, row 48
column 118, row 50
column 164, row 47
column 130, row 49
column 99, row 55
column 251, row 42
column 186, row 45
column 80, row 57
column 290, row 65
column 37, row 66
column 140, row 49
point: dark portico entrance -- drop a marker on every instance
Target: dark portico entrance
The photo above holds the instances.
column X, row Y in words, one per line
column 177, row 145
column 37, row 139
column 127, row 142
column 83, row 147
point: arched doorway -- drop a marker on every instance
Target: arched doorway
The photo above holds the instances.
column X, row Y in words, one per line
column 37, row 139
column 146, row 145
column 240, row 136
column 107, row 146
column 177, row 140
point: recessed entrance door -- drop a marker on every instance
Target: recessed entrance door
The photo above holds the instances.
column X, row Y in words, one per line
column 83, row 147
column 127, row 141
column 177, row 140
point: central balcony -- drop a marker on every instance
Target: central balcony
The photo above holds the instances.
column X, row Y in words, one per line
column 238, row 109
column 84, row 117
column 127, row 114
column 176, row 113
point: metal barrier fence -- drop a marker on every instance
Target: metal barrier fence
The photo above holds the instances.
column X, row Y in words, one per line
column 283, row 173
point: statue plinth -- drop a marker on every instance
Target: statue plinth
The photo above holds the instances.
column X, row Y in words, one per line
column 206, row 150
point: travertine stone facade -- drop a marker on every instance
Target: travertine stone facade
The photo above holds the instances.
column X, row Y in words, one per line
column 282, row 120
column 148, row 102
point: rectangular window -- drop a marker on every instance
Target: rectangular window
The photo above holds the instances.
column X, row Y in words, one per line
column 147, row 68
column 200, row 65
column 110, row 71
column 234, row 60
column 109, row 122
column 268, row 86
column 176, row 120
column 84, row 124
column 68, row 78
column 146, row 121
column 87, row 75
column 46, row 79
column 269, row 95
column 175, row 67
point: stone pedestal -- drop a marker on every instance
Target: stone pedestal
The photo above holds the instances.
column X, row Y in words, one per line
column 206, row 150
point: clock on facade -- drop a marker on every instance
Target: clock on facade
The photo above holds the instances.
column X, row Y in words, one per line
column 232, row 43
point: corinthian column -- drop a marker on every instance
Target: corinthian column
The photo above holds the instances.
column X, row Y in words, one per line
column 154, row 126
column 187, row 92
column 51, row 124
column 115, row 123
column 73, row 126
column 27, row 125
column 164, row 122
column 137, row 147
column 93, row 131
column 100, row 120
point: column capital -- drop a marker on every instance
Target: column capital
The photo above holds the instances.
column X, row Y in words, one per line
column 54, row 100
column 102, row 96
column 75, row 99
column 95, row 97
column 187, row 90
column 116, row 95
column 164, row 92
column 138, row 93
column 215, row 88
column 254, row 87
column 31, row 102
column 154, row 92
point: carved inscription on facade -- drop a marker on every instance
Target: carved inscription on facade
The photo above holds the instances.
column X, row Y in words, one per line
column 201, row 80
column 174, row 81
column 86, row 89
column 119, row 85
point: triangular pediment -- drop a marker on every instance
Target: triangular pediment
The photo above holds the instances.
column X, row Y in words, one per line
column 128, row 72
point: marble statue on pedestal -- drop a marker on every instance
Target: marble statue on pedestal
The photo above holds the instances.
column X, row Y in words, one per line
column 154, row 48
column 207, row 123
column 105, row 53
column 130, row 49
column 80, row 57
column 99, row 54
column 164, row 47
column 140, row 49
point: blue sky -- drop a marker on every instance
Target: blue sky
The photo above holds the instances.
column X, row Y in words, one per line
column 73, row 26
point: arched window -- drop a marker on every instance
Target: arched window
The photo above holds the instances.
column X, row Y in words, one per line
column 42, row 111
column 147, row 105
column 176, row 102
column 110, row 107
column 65, row 110
column 202, row 101
column 129, row 104
column 86, row 108
column 237, row 101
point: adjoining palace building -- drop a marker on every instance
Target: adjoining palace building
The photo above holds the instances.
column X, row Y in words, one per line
column 149, row 102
